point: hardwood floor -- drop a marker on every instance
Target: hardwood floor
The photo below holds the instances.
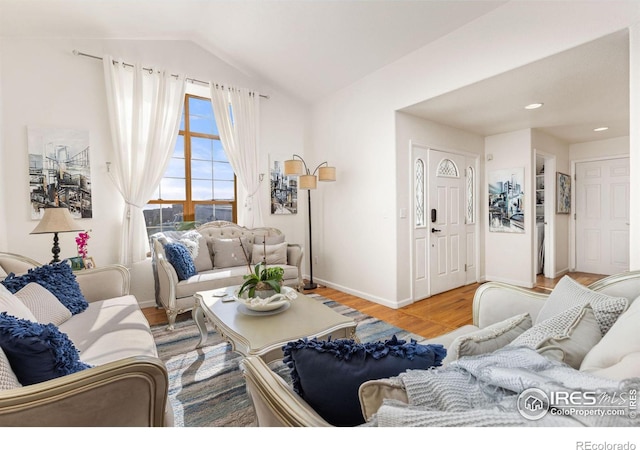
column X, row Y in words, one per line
column 427, row 318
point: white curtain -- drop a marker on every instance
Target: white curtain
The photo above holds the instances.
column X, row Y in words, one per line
column 236, row 111
column 145, row 108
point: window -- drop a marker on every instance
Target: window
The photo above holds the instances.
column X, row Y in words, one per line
column 199, row 184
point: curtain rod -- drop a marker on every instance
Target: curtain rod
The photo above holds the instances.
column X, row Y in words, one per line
column 193, row 80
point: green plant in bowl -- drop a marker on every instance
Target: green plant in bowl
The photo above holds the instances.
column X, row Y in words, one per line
column 263, row 278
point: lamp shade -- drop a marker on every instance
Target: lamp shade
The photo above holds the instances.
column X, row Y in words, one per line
column 56, row 220
column 293, row 167
column 308, row 182
column 327, row 173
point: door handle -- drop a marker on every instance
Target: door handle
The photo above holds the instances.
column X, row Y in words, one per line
column 434, row 230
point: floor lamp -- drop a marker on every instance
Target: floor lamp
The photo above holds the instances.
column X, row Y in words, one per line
column 56, row 220
column 308, row 180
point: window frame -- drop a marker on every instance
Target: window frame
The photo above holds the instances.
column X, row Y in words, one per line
column 188, row 204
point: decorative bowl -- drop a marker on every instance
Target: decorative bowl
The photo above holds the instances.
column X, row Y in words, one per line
column 266, row 304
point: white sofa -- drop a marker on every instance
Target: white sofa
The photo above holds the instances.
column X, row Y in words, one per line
column 178, row 296
column 617, row 358
column 127, row 384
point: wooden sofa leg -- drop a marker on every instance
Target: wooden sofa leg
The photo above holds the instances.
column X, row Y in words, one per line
column 171, row 318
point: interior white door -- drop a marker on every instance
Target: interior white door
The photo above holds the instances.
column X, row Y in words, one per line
column 420, row 223
column 447, row 229
column 602, row 216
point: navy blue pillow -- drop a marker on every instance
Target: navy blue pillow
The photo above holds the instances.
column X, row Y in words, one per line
column 181, row 260
column 57, row 278
column 327, row 374
column 37, row 352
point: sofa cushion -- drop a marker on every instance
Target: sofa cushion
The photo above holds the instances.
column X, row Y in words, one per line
column 179, row 257
column 200, row 253
column 569, row 335
column 12, row 305
column 276, row 253
column 489, row 338
column 327, row 374
column 231, row 252
column 8, row 379
column 37, row 352
column 617, row 355
column 569, row 293
column 110, row 330
column 57, row 278
column 43, row 304
column 218, row 278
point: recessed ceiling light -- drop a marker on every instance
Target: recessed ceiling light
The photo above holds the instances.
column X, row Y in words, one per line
column 534, row 106
column 601, row 129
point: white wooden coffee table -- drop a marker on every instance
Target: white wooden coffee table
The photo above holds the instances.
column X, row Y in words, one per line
column 264, row 335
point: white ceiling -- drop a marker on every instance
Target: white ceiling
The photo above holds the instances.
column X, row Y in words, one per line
column 311, row 48
column 581, row 89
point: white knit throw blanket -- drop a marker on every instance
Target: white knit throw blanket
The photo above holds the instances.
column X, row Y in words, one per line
column 483, row 391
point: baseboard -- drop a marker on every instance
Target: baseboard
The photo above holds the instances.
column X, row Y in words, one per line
column 364, row 295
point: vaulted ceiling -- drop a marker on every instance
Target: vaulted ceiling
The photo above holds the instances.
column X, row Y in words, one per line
column 312, row 48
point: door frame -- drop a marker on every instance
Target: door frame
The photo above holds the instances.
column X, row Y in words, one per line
column 477, row 210
column 549, row 215
column 572, row 224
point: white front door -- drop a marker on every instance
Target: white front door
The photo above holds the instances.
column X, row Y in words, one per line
column 602, row 216
column 447, row 229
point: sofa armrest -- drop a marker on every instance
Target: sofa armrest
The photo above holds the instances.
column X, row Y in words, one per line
column 494, row 301
column 128, row 392
column 275, row 403
column 294, row 258
column 104, row 282
column 167, row 283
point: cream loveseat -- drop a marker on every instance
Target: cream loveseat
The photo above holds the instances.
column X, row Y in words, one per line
column 127, row 384
column 615, row 356
column 219, row 261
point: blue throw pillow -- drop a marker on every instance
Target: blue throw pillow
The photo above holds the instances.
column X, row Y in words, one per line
column 327, row 374
column 57, row 278
column 37, row 352
column 179, row 257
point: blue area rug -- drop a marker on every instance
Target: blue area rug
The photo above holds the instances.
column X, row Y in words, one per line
column 206, row 388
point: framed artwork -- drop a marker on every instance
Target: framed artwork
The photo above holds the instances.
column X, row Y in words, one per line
column 59, row 171
column 89, row 263
column 284, row 189
column 76, row 263
column 563, row 193
column 506, row 200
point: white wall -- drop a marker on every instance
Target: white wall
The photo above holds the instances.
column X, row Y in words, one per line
column 411, row 129
column 509, row 256
column 43, row 84
column 605, row 148
column 358, row 235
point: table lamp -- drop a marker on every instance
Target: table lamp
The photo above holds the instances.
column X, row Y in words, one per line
column 56, row 220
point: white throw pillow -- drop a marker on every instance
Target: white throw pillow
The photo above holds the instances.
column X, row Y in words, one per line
column 231, row 252
column 12, row 305
column 617, row 355
column 569, row 293
column 43, row 304
column 8, row 379
column 571, row 334
column 488, row 339
column 276, row 254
